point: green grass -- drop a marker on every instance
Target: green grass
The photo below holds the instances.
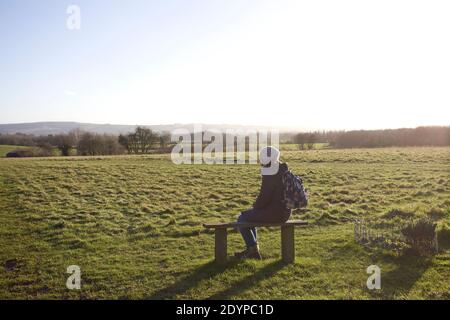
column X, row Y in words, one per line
column 133, row 225
column 295, row 146
column 4, row 149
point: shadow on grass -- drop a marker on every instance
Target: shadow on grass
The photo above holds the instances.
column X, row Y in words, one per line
column 211, row 269
column 399, row 281
column 246, row 283
column 183, row 285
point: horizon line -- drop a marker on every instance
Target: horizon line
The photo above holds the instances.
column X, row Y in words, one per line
column 282, row 127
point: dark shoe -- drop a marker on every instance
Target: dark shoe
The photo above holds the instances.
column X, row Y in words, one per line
column 249, row 253
column 242, row 254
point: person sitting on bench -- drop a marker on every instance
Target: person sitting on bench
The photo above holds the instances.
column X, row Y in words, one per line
column 269, row 205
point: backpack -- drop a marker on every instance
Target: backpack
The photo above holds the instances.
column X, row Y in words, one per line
column 295, row 194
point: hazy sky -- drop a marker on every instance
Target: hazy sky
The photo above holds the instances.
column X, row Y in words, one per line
column 309, row 64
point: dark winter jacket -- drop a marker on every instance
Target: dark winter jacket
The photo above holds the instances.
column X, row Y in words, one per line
column 270, row 199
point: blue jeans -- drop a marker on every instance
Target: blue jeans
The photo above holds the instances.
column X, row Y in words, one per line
column 249, row 234
column 259, row 215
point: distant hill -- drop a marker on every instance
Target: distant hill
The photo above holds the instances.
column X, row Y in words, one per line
column 46, row 128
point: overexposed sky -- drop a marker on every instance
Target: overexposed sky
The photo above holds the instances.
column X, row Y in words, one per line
column 304, row 64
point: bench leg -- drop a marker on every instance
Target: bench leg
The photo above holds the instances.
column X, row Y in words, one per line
column 287, row 244
column 220, row 245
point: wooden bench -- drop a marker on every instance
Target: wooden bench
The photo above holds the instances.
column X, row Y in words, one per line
column 287, row 237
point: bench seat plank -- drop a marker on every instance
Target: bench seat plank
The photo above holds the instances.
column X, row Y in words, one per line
column 226, row 225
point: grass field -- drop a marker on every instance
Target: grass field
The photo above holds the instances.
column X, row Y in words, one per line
column 133, row 225
column 295, row 146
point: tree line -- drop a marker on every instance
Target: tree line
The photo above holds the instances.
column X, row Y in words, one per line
column 77, row 142
column 144, row 140
column 420, row 136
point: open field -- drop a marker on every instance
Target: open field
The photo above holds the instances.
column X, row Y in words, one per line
column 295, row 146
column 133, row 225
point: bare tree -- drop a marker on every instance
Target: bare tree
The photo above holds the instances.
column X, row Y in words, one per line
column 66, row 142
column 301, row 139
column 96, row 144
column 164, row 140
column 311, row 139
column 124, row 141
column 140, row 141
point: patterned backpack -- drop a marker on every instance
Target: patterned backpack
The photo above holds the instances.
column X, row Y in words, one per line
column 295, row 194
